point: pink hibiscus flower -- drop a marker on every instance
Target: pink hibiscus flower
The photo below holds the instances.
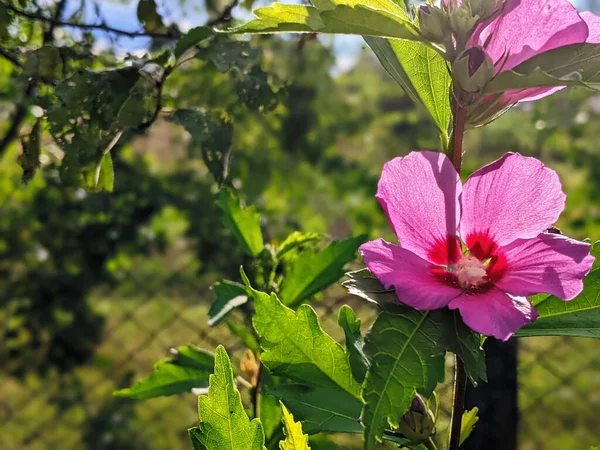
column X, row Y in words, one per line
column 501, row 214
column 522, row 30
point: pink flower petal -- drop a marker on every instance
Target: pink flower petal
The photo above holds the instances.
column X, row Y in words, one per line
column 593, row 23
column 419, row 193
column 512, row 198
column 526, row 28
column 494, row 312
column 413, row 278
column 549, row 263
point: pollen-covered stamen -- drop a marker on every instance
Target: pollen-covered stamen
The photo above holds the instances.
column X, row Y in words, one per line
column 470, row 272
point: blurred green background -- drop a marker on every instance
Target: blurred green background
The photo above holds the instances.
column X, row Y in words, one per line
column 96, row 287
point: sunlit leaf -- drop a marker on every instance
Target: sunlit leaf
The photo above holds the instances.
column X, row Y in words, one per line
column 342, row 19
column 294, row 240
column 421, row 71
column 313, row 272
column 469, row 419
column 189, row 368
column 224, row 424
column 243, row 222
column 295, row 346
column 295, row 439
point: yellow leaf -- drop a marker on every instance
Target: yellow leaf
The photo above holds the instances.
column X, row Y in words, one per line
column 294, row 439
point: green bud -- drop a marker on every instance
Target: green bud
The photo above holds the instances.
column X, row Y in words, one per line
column 433, row 23
column 418, row 424
column 472, row 69
column 462, row 21
column 484, row 8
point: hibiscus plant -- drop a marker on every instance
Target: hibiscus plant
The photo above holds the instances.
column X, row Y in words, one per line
column 475, row 260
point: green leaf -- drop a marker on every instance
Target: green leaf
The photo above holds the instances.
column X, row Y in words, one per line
column 342, row 19
column 577, row 317
column 294, row 240
column 363, row 284
column 245, row 335
column 295, row 346
column 469, row 419
column 105, row 175
column 244, row 223
column 359, row 363
column 45, row 63
column 29, row 160
column 459, row 338
column 227, row 54
column 191, row 39
column 466, row 344
column 224, row 425
column 322, row 409
column 230, row 295
column 421, row 71
column 212, row 135
column 570, row 65
column 294, row 438
column 313, row 272
column 189, row 368
column 149, row 17
column 407, row 354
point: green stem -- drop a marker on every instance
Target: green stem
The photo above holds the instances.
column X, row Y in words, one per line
column 430, row 445
column 460, row 377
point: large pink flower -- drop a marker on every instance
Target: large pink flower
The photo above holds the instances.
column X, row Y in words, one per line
column 526, row 28
column 501, row 214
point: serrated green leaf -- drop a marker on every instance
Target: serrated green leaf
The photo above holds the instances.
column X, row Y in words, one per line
column 406, row 349
column 459, row 338
column 577, row 317
column 230, row 295
column 295, row 439
column 359, row 363
column 224, row 425
column 191, row 39
column 321, row 409
column 295, row 346
column 313, row 272
column 244, row 223
column 466, row 344
column 570, row 65
column 421, row 71
column 357, row 19
column 189, row 368
column 469, row 419
column 294, row 240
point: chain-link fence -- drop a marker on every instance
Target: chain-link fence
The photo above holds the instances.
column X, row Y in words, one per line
column 559, row 390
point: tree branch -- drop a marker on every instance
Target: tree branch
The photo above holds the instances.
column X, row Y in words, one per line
column 225, row 16
column 56, row 22
column 10, row 57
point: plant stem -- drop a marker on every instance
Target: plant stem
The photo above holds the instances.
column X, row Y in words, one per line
column 458, row 403
column 459, row 117
column 460, row 377
column 430, row 445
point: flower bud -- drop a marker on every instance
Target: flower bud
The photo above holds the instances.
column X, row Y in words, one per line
column 250, row 367
column 433, row 23
column 462, row 21
column 484, row 8
column 418, row 424
column 472, row 69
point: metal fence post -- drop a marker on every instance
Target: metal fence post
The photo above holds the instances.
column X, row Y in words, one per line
column 497, row 400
